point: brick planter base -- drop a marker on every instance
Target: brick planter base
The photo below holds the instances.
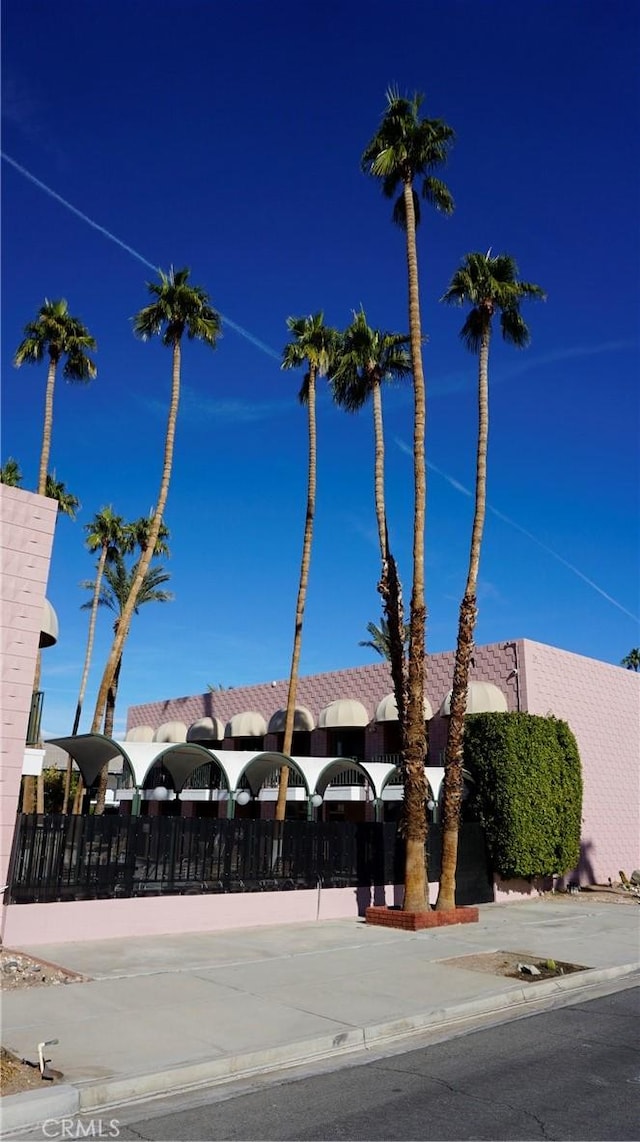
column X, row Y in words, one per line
column 416, row 921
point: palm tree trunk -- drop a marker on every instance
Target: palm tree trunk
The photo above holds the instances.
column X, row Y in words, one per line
column 28, row 794
column 103, row 780
column 40, row 793
column 146, row 556
column 281, row 803
column 90, row 637
column 78, row 798
column 47, row 427
column 378, row 433
column 416, row 897
column 453, row 781
column 389, row 586
column 110, row 711
column 67, row 785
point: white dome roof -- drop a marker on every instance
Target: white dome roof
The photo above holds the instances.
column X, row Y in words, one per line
column 482, row 698
column 343, row 712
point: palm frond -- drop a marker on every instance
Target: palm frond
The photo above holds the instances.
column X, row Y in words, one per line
column 56, row 333
column 489, row 283
column 514, row 328
column 472, row 330
column 178, row 307
column 405, row 148
column 365, row 357
column 437, row 194
column 312, row 342
column 10, row 473
column 68, row 504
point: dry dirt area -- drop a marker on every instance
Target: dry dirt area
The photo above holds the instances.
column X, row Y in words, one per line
column 514, row 965
column 18, row 971
column 598, row 894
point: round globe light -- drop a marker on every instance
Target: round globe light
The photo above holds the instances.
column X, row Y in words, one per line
column 160, row 793
column 242, row 797
column 316, row 800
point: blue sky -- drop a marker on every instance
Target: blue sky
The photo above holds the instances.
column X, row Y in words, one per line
column 227, row 137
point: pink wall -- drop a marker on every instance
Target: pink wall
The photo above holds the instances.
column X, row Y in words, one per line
column 601, row 704
column 27, row 526
column 31, row 924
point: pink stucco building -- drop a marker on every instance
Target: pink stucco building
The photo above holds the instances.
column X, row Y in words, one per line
column 600, row 702
column 27, row 524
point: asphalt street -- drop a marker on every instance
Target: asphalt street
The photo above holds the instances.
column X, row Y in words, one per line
column 572, row 1073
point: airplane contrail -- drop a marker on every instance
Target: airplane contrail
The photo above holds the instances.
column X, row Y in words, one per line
column 523, row 531
column 128, row 249
column 264, row 348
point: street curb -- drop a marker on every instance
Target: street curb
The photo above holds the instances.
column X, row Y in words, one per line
column 21, row 1111
column 18, row 1111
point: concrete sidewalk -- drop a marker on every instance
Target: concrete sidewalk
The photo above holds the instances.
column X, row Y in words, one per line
column 168, row 1013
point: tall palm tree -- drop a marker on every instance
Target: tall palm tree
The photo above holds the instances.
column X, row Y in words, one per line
column 177, row 308
column 313, row 345
column 406, row 149
column 114, row 592
column 121, row 539
column 365, row 358
column 380, row 640
column 58, row 335
column 632, row 659
column 105, row 533
column 10, row 473
column 490, row 285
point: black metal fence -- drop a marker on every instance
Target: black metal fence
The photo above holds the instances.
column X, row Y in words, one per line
column 87, row 858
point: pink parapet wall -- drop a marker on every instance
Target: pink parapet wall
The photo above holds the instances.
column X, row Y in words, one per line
column 601, row 704
column 27, row 524
column 27, row 925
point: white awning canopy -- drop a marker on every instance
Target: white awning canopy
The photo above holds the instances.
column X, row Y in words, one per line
column 139, row 734
column 48, row 626
column 206, row 729
column 387, row 709
column 302, row 720
column 171, row 732
column 246, row 725
column 482, row 698
column 343, row 713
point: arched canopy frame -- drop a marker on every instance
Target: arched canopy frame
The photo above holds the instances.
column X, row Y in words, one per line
column 321, row 771
column 92, row 751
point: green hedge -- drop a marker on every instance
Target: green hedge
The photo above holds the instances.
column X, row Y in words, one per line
column 528, row 791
